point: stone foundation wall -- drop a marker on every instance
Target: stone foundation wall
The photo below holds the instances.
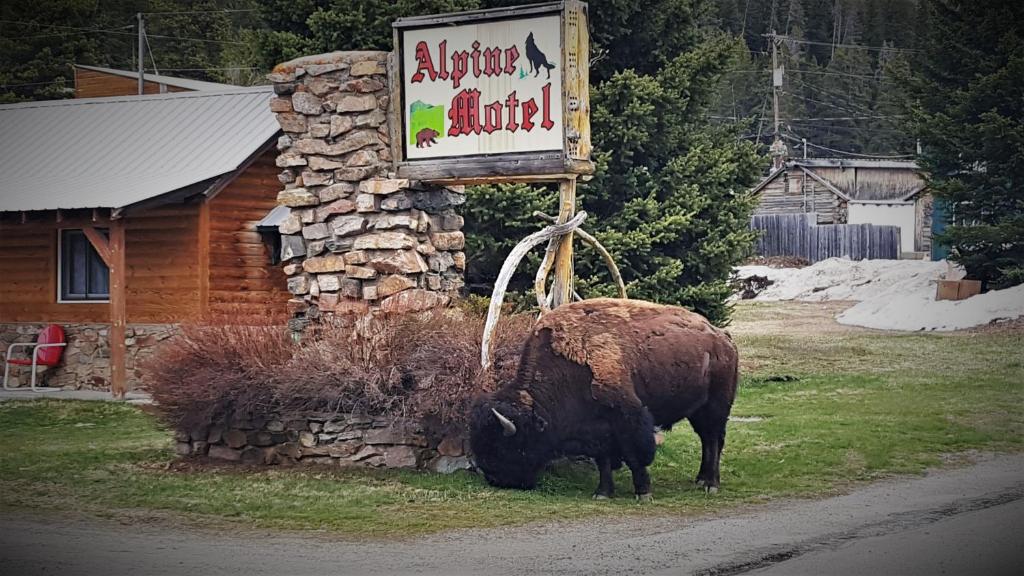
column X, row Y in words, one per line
column 356, row 239
column 325, row 439
column 86, row 360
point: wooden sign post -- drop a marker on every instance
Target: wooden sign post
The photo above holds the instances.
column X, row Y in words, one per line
column 500, row 96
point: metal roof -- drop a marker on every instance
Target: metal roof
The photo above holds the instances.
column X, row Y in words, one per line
column 115, row 152
column 855, row 163
column 186, row 83
column 273, row 219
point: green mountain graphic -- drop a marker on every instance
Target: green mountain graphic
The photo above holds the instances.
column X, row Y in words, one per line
column 425, row 116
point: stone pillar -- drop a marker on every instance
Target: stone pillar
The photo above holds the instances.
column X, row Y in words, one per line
column 356, row 239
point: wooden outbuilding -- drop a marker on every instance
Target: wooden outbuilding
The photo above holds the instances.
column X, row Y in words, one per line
column 853, row 191
column 124, row 217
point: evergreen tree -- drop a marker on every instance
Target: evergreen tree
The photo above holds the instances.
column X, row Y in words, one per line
column 967, row 106
column 670, row 197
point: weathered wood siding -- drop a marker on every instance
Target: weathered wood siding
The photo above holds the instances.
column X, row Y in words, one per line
column 162, row 273
column 94, row 84
column 800, row 235
column 864, row 183
column 790, row 193
column 242, row 281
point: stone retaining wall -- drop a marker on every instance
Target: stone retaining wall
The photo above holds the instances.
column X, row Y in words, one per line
column 86, row 360
column 356, row 239
column 326, row 439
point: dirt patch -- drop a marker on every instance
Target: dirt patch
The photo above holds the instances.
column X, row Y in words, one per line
column 790, row 318
column 1001, row 327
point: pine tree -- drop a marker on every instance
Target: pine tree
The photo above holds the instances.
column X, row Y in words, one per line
column 968, row 109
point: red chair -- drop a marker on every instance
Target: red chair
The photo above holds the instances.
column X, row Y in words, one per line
column 46, row 351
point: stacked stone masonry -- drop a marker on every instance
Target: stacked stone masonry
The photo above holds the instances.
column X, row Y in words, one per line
column 85, row 363
column 324, row 439
column 356, row 238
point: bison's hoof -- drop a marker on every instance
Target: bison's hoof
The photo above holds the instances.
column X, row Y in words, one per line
column 711, row 489
column 644, row 498
column 701, row 483
column 601, row 497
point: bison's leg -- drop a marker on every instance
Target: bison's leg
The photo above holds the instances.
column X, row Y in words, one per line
column 606, row 485
column 709, row 424
column 634, row 434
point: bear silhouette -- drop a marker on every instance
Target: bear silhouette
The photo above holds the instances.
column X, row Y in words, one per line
column 426, row 137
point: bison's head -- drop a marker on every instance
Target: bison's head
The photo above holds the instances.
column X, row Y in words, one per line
column 507, row 443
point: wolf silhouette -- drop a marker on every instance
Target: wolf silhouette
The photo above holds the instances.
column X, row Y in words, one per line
column 536, row 57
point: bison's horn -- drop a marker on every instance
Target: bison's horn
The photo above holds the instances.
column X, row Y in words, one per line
column 508, row 425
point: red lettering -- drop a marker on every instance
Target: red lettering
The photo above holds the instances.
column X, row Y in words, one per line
column 547, row 124
column 476, row 59
column 460, row 67
column 511, row 55
column 492, row 117
column 442, row 57
column 511, row 103
column 492, row 62
column 465, row 113
column 529, row 110
column 425, row 64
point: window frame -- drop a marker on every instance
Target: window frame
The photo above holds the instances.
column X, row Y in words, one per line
column 61, row 297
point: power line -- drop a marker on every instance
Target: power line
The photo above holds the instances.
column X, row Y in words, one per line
column 221, row 11
column 823, row 118
column 844, row 74
column 847, row 152
column 857, row 46
column 213, row 68
column 843, row 98
column 54, row 81
column 118, row 31
column 812, row 100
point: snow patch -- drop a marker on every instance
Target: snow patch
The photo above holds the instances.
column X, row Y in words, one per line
column 891, row 294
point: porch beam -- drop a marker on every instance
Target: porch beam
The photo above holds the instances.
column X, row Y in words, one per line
column 118, row 309
column 99, row 243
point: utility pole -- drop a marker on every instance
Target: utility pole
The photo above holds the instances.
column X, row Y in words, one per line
column 776, row 81
column 142, row 53
column 778, row 149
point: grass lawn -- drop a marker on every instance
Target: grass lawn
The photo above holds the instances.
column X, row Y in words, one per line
column 822, row 409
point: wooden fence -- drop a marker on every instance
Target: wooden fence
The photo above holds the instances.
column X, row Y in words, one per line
column 801, row 235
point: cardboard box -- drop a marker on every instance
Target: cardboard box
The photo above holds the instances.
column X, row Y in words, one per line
column 957, row 289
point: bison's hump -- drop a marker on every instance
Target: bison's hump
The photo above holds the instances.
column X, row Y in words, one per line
column 607, row 334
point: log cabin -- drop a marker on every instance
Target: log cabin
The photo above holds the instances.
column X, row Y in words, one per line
column 854, row 191
column 98, row 82
column 123, row 217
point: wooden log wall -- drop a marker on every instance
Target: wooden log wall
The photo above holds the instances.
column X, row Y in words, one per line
column 800, row 235
column 182, row 260
column 94, row 84
column 243, row 284
column 162, row 275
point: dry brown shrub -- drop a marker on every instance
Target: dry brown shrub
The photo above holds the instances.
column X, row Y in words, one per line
column 425, row 366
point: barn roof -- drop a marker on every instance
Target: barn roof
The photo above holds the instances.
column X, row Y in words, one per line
column 118, row 151
column 186, row 83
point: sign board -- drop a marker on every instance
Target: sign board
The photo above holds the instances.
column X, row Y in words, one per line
column 492, row 93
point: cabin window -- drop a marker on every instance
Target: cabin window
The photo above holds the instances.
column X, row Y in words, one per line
column 83, row 274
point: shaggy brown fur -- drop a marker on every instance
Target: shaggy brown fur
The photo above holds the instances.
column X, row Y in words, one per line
column 602, row 372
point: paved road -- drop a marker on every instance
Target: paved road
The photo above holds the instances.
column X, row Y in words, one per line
column 987, row 541
column 951, row 522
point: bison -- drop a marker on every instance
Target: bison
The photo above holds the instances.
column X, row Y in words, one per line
column 594, row 379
